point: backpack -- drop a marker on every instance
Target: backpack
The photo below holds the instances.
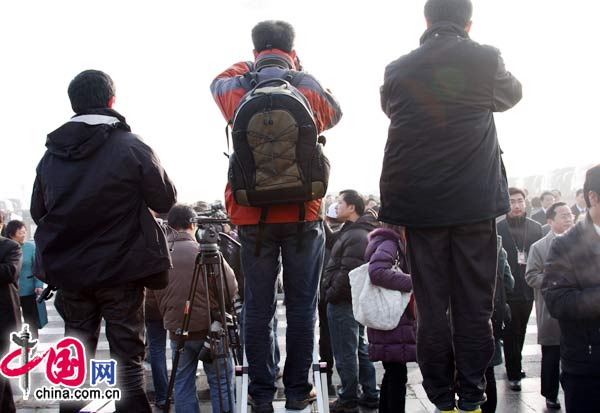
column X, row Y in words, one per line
column 277, row 155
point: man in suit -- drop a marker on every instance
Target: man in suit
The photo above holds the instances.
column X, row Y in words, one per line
column 518, row 234
column 579, row 207
column 547, row 199
column 560, row 220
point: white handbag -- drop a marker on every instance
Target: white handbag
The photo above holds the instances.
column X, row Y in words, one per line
column 373, row 306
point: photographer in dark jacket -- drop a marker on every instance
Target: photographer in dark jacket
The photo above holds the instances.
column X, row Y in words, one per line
column 97, row 239
column 571, row 289
column 10, row 313
column 348, row 342
column 442, row 148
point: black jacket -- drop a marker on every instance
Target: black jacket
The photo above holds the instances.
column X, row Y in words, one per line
column 571, row 290
column 533, row 232
column 540, row 216
column 442, row 149
column 10, row 266
column 348, row 247
column 90, row 200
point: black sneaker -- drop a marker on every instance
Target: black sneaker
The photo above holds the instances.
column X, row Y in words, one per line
column 368, row 402
column 301, row 404
column 343, row 406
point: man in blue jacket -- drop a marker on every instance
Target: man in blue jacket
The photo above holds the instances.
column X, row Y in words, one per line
column 442, row 149
column 571, row 290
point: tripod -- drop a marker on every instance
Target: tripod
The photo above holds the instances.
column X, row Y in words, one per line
column 223, row 327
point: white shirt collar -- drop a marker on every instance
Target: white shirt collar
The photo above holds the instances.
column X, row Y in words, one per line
column 582, row 210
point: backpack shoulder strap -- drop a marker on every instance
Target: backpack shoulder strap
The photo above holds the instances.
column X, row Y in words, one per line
column 294, row 77
column 249, row 80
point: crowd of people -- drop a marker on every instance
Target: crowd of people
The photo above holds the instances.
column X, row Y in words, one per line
column 474, row 268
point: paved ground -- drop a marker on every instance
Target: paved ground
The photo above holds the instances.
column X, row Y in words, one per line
column 528, row 400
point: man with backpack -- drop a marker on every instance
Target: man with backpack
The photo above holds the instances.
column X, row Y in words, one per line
column 277, row 177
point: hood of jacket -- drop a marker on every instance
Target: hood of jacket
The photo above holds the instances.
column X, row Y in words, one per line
column 81, row 136
column 377, row 237
column 366, row 221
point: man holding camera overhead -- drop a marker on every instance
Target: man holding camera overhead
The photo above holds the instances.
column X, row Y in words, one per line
column 265, row 235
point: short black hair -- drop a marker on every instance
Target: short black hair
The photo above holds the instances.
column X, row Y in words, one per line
column 512, row 191
column 179, row 216
column 579, row 192
column 90, row 89
column 592, row 183
column 13, row 226
column 352, row 197
column 273, row 34
column 546, row 193
column 454, row 11
column 551, row 212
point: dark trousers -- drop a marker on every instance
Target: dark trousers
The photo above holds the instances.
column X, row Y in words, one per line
column 514, row 337
column 30, row 313
column 454, row 270
column 7, row 403
column 325, row 351
column 302, row 265
column 582, row 393
column 123, row 311
column 550, row 371
column 392, row 396
column 490, row 391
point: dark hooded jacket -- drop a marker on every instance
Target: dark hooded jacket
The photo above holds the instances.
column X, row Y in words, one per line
column 348, row 247
column 91, row 199
column 442, row 164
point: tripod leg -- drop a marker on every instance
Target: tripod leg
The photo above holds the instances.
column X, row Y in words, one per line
column 182, row 333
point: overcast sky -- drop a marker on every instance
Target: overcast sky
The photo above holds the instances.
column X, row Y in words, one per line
column 164, row 55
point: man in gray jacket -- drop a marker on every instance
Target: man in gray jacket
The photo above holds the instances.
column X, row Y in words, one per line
column 172, row 302
column 560, row 220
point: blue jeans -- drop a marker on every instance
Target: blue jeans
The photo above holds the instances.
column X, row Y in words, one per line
column 301, row 271
column 351, row 353
column 157, row 344
column 185, row 392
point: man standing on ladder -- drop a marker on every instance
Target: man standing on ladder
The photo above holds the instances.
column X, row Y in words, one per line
column 292, row 230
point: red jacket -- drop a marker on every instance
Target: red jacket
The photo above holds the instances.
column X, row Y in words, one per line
column 227, row 90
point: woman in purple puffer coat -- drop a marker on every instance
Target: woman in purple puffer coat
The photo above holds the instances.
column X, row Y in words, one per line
column 395, row 347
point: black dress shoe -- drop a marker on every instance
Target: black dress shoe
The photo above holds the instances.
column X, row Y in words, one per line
column 262, row 407
column 553, row 404
column 301, row 404
column 514, row 385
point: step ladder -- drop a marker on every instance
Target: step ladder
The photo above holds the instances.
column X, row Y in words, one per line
column 319, row 379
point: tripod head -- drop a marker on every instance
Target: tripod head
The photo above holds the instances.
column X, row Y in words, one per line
column 207, row 232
